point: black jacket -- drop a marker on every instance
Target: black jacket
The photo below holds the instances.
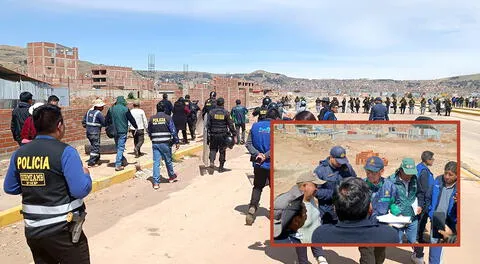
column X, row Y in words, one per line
column 19, row 115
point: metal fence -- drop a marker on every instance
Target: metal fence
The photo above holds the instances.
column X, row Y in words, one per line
column 10, row 91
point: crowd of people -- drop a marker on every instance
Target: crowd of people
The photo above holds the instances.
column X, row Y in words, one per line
column 329, row 204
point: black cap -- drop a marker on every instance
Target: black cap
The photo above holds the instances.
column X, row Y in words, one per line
column 187, row 97
column 25, row 97
column 165, row 96
column 238, row 101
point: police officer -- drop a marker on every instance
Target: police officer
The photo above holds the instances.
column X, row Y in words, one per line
column 394, row 105
column 333, row 169
column 93, row 121
column 49, row 175
column 423, row 105
column 344, row 104
column 258, row 145
column 379, row 111
column 383, row 192
column 387, row 104
column 219, row 125
column 168, row 105
column 261, row 111
column 163, row 134
column 209, row 104
column 448, row 107
column 403, row 105
column 192, row 117
column 411, row 106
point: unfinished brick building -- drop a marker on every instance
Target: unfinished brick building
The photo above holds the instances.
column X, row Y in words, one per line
column 49, row 61
column 114, row 77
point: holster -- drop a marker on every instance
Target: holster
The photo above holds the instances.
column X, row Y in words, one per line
column 76, row 219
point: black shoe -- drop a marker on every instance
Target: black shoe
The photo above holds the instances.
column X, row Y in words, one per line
column 124, row 163
column 250, row 216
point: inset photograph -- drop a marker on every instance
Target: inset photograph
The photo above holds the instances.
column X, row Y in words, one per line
column 366, row 183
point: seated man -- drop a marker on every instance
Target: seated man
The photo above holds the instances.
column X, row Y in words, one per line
column 352, row 205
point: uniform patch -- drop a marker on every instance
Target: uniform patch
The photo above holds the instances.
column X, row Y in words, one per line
column 387, row 193
column 208, row 104
column 219, row 117
column 32, row 179
column 158, row 121
column 33, row 163
column 263, row 112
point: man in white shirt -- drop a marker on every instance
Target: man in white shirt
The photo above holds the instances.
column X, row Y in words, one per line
column 142, row 122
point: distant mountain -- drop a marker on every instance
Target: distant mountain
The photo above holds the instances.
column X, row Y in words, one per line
column 16, row 58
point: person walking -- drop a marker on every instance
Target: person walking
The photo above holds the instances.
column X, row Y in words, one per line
column 19, row 115
column 49, row 176
column 219, row 125
column 163, row 134
column 28, row 131
column 93, row 121
column 120, row 115
column 379, row 111
column 142, row 125
column 180, row 113
column 168, row 104
column 192, row 116
column 258, row 145
column 239, row 116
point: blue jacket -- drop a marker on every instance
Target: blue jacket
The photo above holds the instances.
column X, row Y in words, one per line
column 379, row 112
column 425, row 179
column 329, row 115
column 259, row 142
column 324, row 194
column 434, row 197
column 382, row 196
column 93, row 121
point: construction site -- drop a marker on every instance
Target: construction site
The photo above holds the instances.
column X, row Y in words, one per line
column 302, row 147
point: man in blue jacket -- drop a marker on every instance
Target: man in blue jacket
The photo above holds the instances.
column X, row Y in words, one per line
column 52, row 181
column 442, row 197
column 332, row 170
column 425, row 183
column 258, row 145
column 379, row 111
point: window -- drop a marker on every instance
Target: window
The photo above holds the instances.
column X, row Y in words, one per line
column 52, row 60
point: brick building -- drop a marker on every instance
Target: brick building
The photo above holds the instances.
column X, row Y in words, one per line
column 51, row 60
column 114, row 77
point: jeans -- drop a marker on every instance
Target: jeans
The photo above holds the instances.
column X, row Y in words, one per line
column 410, row 231
column 120, row 141
column 160, row 151
column 302, row 254
column 372, row 255
column 435, row 253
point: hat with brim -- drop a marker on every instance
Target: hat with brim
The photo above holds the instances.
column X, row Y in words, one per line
column 33, row 107
column 339, row 154
column 98, row 103
column 281, row 207
column 374, row 164
column 408, row 166
column 292, row 209
column 309, row 176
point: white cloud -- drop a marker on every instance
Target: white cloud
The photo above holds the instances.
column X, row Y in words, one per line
column 424, row 32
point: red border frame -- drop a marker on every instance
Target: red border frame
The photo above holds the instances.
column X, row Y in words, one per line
column 405, row 122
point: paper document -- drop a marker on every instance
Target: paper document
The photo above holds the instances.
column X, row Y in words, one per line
column 414, row 206
column 391, row 219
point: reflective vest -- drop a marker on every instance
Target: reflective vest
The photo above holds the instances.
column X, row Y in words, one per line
column 93, row 123
column 218, row 120
column 45, row 195
column 158, row 127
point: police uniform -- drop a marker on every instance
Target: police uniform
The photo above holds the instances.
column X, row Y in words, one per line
column 219, row 124
column 261, row 112
column 93, row 121
column 379, row 112
column 423, row 106
column 50, row 177
column 163, row 134
column 448, row 107
column 209, row 105
column 332, row 176
column 403, row 105
column 394, row 105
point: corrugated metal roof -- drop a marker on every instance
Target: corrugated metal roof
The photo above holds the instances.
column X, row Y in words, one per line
column 11, row 75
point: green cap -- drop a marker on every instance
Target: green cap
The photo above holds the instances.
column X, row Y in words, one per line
column 408, row 166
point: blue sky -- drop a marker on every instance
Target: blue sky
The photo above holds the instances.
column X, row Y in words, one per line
column 421, row 39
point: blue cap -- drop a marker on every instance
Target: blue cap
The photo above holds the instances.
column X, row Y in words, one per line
column 339, row 154
column 374, row 164
column 378, row 99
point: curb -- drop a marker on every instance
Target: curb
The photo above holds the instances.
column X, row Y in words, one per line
column 12, row 215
